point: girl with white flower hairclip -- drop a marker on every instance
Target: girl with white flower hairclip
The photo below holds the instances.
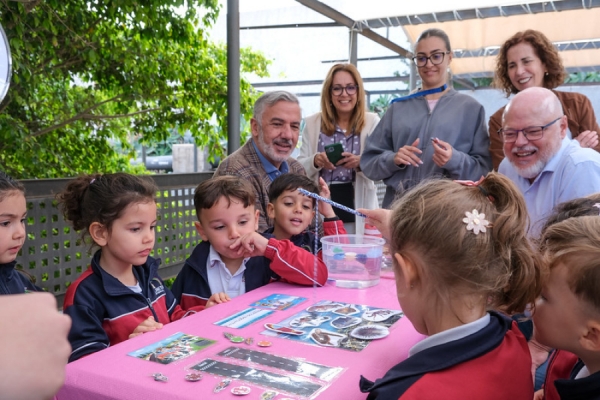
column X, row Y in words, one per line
column 462, row 264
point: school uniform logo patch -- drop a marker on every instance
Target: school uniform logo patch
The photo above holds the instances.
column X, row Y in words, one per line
column 158, row 289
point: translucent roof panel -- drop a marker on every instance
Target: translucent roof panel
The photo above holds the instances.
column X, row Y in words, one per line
column 476, row 27
column 576, row 27
column 360, row 10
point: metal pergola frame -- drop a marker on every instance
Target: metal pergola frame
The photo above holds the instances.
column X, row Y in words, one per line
column 365, row 28
column 481, row 13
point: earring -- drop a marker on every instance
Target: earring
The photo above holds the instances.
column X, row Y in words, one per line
column 546, row 73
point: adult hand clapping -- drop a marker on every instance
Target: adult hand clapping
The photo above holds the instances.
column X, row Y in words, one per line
column 408, row 155
column 587, row 139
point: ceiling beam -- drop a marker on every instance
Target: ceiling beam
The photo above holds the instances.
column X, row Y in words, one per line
column 285, row 26
column 532, row 7
column 320, row 82
column 364, row 30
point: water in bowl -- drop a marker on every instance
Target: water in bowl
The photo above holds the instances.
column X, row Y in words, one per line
column 352, row 274
column 353, row 261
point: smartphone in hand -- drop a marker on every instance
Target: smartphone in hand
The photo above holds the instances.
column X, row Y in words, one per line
column 334, row 152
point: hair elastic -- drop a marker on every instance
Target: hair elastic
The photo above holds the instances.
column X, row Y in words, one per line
column 485, row 193
column 478, row 185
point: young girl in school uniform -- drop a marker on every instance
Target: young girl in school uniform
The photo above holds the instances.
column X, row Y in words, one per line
column 120, row 295
column 13, row 211
column 460, row 252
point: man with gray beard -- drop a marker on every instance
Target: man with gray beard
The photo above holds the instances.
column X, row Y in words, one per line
column 545, row 164
column 266, row 155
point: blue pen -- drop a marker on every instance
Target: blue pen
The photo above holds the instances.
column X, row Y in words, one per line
column 436, row 141
column 333, row 203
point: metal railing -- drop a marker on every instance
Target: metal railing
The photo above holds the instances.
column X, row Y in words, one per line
column 54, row 255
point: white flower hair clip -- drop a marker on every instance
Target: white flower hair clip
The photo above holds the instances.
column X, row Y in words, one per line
column 476, row 222
column 597, row 205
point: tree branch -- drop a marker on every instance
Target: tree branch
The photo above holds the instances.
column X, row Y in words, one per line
column 29, row 4
column 116, row 116
column 85, row 42
column 5, row 103
column 77, row 117
column 65, row 65
column 86, row 116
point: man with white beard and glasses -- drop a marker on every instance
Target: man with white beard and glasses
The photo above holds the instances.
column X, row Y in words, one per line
column 266, row 155
column 547, row 166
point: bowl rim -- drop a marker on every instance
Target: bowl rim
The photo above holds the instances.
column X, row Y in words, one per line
column 376, row 241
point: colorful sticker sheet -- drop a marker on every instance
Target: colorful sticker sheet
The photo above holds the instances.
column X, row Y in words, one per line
column 244, row 318
column 281, row 382
column 260, row 309
column 342, row 325
column 289, row 377
column 278, row 302
column 175, row 347
column 299, row 367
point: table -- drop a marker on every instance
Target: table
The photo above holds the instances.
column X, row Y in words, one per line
column 111, row 374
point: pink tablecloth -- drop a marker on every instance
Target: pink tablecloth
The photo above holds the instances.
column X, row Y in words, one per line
column 112, row 374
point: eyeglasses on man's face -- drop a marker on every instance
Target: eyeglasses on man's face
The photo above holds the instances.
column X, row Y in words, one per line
column 350, row 90
column 435, row 58
column 531, row 133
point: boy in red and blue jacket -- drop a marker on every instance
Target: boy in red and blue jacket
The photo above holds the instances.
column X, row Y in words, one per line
column 567, row 316
column 292, row 213
column 233, row 258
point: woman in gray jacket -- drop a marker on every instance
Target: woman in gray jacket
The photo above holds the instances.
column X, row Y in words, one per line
column 439, row 134
column 343, row 121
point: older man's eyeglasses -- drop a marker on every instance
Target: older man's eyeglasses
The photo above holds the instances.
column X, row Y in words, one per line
column 531, row 133
column 435, row 58
column 350, row 90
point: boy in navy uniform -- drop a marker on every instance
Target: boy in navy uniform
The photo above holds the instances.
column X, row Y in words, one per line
column 233, row 258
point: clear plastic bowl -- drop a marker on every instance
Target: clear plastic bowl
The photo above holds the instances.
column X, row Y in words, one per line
column 353, row 261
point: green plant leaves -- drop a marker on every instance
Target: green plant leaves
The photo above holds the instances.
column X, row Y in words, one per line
column 91, row 77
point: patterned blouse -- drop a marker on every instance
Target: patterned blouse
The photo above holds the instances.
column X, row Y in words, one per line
column 350, row 144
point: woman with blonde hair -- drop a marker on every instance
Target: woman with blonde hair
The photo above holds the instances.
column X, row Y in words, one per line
column 343, row 122
column 529, row 59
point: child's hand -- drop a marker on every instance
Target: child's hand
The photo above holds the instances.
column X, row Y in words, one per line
column 539, row 395
column 148, row 325
column 217, row 298
column 325, row 209
column 380, row 218
column 250, row 245
column 324, row 188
